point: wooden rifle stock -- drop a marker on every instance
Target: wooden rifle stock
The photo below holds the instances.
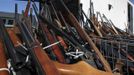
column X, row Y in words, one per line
column 47, row 65
column 79, row 68
column 85, row 36
column 13, row 37
column 62, row 42
column 3, row 60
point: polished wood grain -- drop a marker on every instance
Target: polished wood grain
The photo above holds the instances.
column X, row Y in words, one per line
column 80, row 68
column 3, row 60
column 13, row 37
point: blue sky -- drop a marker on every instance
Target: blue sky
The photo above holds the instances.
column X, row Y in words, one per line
column 132, row 1
column 9, row 5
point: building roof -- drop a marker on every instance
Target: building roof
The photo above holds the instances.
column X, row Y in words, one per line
column 7, row 14
column 27, row 0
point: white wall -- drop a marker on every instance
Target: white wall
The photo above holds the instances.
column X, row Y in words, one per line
column 85, row 4
column 133, row 13
column 133, row 17
column 118, row 14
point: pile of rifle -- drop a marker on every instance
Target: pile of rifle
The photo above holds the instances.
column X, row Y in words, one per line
column 60, row 44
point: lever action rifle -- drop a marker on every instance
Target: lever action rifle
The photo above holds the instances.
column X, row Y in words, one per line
column 43, row 65
column 85, row 36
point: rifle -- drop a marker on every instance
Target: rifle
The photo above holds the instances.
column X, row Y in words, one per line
column 26, row 18
column 85, row 36
column 60, row 32
column 70, row 30
column 15, row 61
column 62, row 43
column 16, row 54
column 47, row 35
column 13, row 55
column 17, row 43
column 42, row 37
column 114, row 28
column 43, row 65
column 56, row 49
column 110, row 28
column 3, row 61
column 91, row 9
column 59, row 21
column 100, row 23
column 93, row 25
